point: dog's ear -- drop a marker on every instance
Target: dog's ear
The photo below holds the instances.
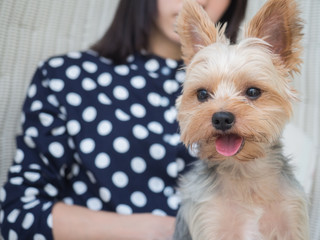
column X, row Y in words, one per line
column 195, row 29
column 278, row 23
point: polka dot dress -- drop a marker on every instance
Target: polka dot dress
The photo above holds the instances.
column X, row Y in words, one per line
column 98, row 135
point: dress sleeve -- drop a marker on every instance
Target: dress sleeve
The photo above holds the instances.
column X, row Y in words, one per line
column 37, row 176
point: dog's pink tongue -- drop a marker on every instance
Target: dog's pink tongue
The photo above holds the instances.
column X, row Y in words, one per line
column 228, row 145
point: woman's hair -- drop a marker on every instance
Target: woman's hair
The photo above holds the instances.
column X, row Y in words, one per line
column 134, row 19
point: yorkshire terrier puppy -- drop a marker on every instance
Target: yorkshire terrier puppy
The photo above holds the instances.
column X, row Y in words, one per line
column 235, row 102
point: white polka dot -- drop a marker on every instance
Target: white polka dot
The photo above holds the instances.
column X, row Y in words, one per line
column 124, row 209
column 89, row 114
column 122, row 70
column 12, row 235
column 181, row 164
column 19, row 156
column 94, row 204
column 104, row 127
column 49, row 221
column 73, row 72
column 32, row 91
column 164, row 102
column 138, row 82
column 105, row 79
column 75, row 170
column 68, row 201
column 31, row 205
column 36, row 105
column 120, row 93
column 51, row 190
column 157, row 151
column 107, row 61
column 130, row 58
column 16, row 180
column 74, row 55
column 56, row 85
column 27, row 199
column 105, row 194
column 90, row 67
column 2, row 194
column 1, row 216
column 13, row 215
column 32, row 132
column 15, row 169
column 165, row 70
column 73, row 127
column 74, row 99
column 138, row 110
column 102, row 160
column 156, row 184
column 121, row 145
column 134, row 66
column 29, row 142
column 46, row 119
column 171, row 63
column 31, row 191
column 104, row 99
column 121, row 115
column 170, row 115
column 120, row 179
column 28, row 221
column 53, row 100
column 32, row 176
column 173, row 202
column 168, row 191
column 22, row 118
column 152, row 65
column 180, row 76
column 159, row 212
column 138, row 199
column 154, row 99
column 172, row 139
column 170, row 86
column 140, row 132
column 88, row 84
column 79, row 187
column 138, row 165
column 39, row 236
column 44, row 159
column 56, row 62
column 56, row 149
column 87, row 145
column 155, row 127
column 172, row 169
column 58, row 131
column 45, row 82
column 46, row 206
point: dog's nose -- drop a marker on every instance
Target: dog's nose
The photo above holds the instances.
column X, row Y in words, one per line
column 223, row 120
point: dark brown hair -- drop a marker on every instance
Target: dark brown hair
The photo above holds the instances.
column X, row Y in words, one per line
column 130, row 29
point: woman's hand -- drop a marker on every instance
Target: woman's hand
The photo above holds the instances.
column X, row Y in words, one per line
column 75, row 222
column 147, row 226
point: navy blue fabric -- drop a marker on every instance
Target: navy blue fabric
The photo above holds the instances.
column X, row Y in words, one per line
column 95, row 135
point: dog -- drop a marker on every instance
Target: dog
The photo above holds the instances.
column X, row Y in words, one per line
column 235, row 102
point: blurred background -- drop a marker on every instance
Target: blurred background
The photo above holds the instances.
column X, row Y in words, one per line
column 33, row 30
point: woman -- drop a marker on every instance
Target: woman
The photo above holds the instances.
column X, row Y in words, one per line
column 100, row 152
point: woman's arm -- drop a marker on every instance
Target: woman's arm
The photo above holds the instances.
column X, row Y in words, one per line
column 75, row 222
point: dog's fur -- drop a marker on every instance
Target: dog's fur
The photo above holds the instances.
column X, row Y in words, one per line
column 252, row 194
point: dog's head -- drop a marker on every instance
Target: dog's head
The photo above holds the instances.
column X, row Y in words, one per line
column 237, row 98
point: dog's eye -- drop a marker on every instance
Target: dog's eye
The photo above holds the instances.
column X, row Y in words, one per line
column 253, row 93
column 202, row 95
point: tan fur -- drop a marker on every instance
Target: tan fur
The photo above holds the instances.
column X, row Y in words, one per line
column 253, row 194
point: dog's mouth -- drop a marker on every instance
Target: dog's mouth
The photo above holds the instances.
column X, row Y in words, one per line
column 229, row 144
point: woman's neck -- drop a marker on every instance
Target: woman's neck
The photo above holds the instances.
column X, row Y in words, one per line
column 162, row 46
